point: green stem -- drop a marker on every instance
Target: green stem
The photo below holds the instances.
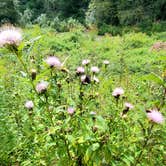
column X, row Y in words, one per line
column 47, row 109
column 26, row 70
column 137, row 161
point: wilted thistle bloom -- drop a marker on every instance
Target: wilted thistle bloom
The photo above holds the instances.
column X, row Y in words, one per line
column 85, row 62
column 95, row 69
column 106, row 62
column 80, row 70
column 53, row 61
column 10, row 36
column 29, row 104
column 118, row 92
column 42, row 87
column 70, row 110
column 95, row 79
column 155, row 116
column 85, row 79
column 129, row 105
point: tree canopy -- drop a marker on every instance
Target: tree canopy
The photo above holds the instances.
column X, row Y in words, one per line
column 115, row 12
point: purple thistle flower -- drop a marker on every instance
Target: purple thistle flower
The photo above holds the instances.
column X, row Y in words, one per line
column 95, row 69
column 53, row 61
column 80, row 70
column 129, row 105
column 118, row 92
column 29, row 104
column 70, row 110
column 42, row 87
column 10, row 36
column 155, row 116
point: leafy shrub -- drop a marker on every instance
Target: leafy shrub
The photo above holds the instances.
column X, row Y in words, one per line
column 112, row 30
column 159, row 26
column 26, row 18
column 65, row 25
column 137, row 40
column 42, row 20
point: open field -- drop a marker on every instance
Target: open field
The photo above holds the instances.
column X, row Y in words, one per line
column 79, row 118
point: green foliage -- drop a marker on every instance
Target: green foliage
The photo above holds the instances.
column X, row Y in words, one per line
column 87, row 12
column 48, row 134
column 8, row 11
column 112, row 30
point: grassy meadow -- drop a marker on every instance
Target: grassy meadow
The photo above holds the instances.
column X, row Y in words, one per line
column 77, row 120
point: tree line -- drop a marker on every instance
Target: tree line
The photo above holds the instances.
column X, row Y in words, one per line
column 114, row 12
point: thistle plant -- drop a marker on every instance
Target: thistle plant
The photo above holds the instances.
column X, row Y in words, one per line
column 69, row 117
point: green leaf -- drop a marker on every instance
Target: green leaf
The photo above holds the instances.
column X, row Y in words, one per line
column 81, row 140
column 90, row 150
column 95, row 146
column 155, row 78
column 128, row 160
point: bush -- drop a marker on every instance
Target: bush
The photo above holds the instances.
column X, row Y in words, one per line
column 113, row 30
column 159, row 26
column 42, row 20
column 65, row 25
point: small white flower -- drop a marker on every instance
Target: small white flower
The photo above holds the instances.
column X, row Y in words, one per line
column 106, row 62
column 92, row 113
column 95, row 79
column 85, row 62
column 83, row 77
column 29, row 104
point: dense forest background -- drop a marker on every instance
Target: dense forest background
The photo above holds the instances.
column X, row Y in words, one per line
column 96, row 12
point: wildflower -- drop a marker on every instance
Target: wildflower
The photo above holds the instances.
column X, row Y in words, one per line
column 42, row 87
column 70, row 110
column 106, row 62
column 95, row 79
column 117, row 92
column 128, row 105
column 85, row 79
column 155, row 116
column 95, row 69
column 85, row 62
column 92, row 113
column 80, row 70
column 33, row 74
column 53, row 61
column 29, row 104
column 10, row 36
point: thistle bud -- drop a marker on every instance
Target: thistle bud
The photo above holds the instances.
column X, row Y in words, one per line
column 33, row 74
